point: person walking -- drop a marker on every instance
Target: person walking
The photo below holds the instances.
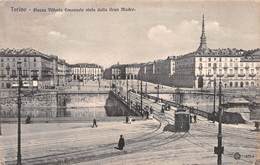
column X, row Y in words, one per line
column 195, row 119
column 151, row 110
column 147, row 114
column 126, row 119
column 121, row 143
column 94, row 123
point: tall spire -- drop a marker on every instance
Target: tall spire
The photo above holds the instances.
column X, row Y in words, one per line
column 203, row 42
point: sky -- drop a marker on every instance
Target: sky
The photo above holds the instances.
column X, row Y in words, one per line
column 154, row 30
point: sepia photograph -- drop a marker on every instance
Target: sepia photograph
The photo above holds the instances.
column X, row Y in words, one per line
column 129, row 82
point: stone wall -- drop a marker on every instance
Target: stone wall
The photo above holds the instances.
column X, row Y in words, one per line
column 115, row 107
column 86, row 106
column 35, row 105
column 50, row 105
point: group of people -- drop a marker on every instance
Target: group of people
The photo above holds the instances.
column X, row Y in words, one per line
column 128, row 119
column 146, row 112
column 194, row 118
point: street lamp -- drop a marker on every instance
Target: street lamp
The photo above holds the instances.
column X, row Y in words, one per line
column 158, row 87
column 127, row 97
column 19, row 157
column 141, row 93
column 214, row 103
column 0, row 121
column 219, row 149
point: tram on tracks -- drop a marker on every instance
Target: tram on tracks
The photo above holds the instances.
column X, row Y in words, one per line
column 182, row 120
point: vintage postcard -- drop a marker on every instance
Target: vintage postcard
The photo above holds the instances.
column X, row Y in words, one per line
column 129, row 82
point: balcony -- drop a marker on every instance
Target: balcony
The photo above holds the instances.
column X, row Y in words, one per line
column 220, row 75
column 13, row 76
column 241, row 75
column 209, row 75
column 35, row 76
column 3, row 75
column 231, row 75
column 252, row 75
column 25, row 76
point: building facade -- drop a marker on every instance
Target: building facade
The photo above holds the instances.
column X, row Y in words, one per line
column 159, row 71
column 35, row 67
column 85, row 71
column 123, row 71
column 236, row 68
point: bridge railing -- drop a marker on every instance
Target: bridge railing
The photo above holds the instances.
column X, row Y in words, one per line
column 192, row 110
column 124, row 101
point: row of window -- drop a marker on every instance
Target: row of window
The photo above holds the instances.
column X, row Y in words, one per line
column 229, row 65
column 236, row 84
column 25, row 59
column 231, row 71
column 218, row 59
column 14, row 64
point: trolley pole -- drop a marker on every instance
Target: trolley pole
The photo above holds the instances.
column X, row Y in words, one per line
column 158, row 92
column 0, row 120
column 146, row 88
column 19, row 157
column 214, row 103
column 141, row 95
column 158, row 86
column 127, row 89
column 219, row 149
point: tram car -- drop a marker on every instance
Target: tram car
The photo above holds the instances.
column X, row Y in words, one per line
column 182, row 121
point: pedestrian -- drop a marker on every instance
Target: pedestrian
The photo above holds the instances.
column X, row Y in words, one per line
column 130, row 119
column 94, row 123
column 162, row 110
column 215, row 116
column 190, row 118
column 142, row 114
column 151, row 110
column 126, row 119
column 28, row 119
column 257, row 126
column 195, row 119
column 147, row 114
column 121, row 143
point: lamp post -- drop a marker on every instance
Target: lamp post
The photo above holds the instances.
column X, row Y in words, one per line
column 158, row 90
column 141, row 94
column 214, row 103
column 145, row 83
column 127, row 89
column 219, row 149
column 19, row 157
column 0, row 120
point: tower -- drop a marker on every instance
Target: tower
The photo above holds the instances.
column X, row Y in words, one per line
column 203, row 42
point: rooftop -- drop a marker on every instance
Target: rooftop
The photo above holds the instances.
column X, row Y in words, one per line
column 88, row 65
column 22, row 52
column 221, row 52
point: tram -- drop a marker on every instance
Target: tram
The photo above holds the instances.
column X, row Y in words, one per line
column 182, row 120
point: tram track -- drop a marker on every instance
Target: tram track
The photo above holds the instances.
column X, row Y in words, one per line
column 142, row 142
column 147, row 141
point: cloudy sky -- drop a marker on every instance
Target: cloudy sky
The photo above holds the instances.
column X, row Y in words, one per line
column 156, row 29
